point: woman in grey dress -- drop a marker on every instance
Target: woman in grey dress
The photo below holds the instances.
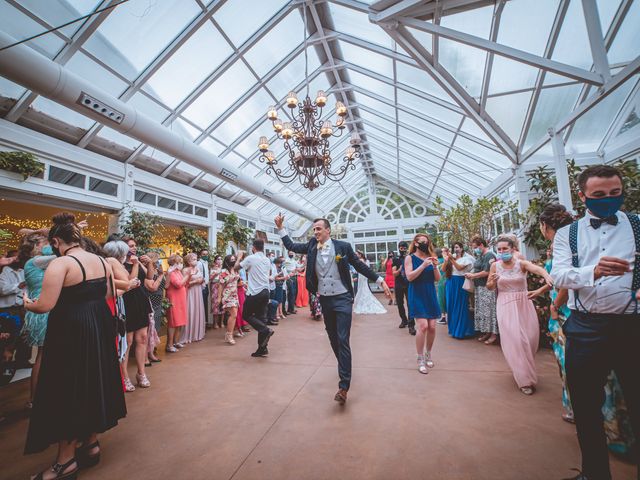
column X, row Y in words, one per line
column 486, row 321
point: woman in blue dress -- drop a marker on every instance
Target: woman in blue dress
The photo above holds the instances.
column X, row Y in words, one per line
column 456, row 266
column 422, row 273
column 35, row 254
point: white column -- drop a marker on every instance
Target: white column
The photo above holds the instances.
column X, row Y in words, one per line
column 562, row 175
column 522, row 194
column 128, row 194
column 213, row 224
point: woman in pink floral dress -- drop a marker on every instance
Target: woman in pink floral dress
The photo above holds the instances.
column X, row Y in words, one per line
column 228, row 295
column 214, row 278
column 241, row 324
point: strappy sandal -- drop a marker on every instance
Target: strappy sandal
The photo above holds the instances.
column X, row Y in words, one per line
column 85, row 458
column 58, row 469
column 527, row 390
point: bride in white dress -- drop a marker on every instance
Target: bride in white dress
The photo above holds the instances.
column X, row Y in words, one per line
column 365, row 302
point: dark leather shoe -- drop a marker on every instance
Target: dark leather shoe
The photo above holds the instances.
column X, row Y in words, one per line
column 341, row 396
column 403, row 325
column 261, row 352
column 412, row 331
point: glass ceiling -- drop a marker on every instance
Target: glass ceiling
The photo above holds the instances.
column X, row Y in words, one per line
column 208, row 70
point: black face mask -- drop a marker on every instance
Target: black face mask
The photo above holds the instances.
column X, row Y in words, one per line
column 403, row 253
column 291, row 256
column 423, row 247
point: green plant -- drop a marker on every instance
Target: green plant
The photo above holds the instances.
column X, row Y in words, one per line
column 142, row 226
column 467, row 218
column 542, row 305
column 232, row 231
column 4, row 236
column 21, row 162
column 191, row 240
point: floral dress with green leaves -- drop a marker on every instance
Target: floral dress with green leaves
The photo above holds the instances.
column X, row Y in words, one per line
column 229, row 286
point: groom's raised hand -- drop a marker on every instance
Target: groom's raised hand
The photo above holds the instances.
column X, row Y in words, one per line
column 279, row 220
column 385, row 287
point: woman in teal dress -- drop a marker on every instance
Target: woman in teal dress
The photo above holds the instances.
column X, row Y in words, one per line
column 620, row 438
column 35, row 254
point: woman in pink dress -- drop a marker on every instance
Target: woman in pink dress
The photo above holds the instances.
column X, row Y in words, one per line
column 389, row 278
column 196, row 318
column 241, row 324
column 302, row 298
column 517, row 318
column 176, row 294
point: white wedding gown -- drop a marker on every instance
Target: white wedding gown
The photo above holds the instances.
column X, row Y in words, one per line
column 365, row 302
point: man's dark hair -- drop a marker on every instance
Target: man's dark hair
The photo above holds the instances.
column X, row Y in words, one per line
column 258, row 244
column 403, row 244
column 478, row 240
column 605, row 171
column 324, row 221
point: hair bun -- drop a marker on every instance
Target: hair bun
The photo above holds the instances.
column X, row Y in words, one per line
column 63, row 218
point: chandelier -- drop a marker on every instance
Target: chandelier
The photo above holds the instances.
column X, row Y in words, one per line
column 306, row 139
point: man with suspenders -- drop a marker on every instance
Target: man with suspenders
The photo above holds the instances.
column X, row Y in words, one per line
column 597, row 259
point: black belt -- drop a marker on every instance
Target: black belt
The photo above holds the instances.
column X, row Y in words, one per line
column 605, row 316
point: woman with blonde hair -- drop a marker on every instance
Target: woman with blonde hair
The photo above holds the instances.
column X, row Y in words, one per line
column 177, row 295
column 422, row 273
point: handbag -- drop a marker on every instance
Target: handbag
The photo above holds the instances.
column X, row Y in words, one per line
column 468, row 285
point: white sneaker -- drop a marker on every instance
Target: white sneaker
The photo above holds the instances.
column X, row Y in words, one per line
column 238, row 333
column 228, row 337
column 421, row 365
column 428, row 360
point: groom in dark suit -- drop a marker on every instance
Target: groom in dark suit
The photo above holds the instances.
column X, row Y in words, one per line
column 328, row 275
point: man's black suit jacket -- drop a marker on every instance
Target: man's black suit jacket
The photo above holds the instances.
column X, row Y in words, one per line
column 344, row 256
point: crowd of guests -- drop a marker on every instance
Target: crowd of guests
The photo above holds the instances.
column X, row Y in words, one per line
column 91, row 304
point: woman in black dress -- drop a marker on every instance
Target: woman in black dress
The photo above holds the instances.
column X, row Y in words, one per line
column 79, row 391
column 137, row 308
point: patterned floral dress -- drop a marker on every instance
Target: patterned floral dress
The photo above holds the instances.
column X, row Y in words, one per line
column 214, row 285
column 229, row 285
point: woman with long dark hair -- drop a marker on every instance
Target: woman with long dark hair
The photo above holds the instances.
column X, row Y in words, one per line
column 421, row 268
column 79, row 391
column 456, row 265
column 485, row 300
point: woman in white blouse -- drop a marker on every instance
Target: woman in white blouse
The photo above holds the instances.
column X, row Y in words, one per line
column 455, row 267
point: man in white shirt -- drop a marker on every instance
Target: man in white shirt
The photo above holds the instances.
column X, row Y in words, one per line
column 203, row 266
column 291, row 266
column 258, row 268
column 328, row 275
column 603, row 330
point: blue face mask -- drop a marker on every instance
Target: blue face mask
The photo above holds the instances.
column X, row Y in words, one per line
column 505, row 257
column 47, row 250
column 604, row 207
column 477, row 251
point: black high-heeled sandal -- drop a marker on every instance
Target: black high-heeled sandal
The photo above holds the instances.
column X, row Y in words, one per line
column 58, row 469
column 86, row 459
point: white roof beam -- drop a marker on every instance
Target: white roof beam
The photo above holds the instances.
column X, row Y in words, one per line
column 596, row 42
column 488, row 64
column 505, row 51
column 450, row 85
column 602, row 93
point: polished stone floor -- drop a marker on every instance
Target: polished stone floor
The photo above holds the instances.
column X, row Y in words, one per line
column 213, row 412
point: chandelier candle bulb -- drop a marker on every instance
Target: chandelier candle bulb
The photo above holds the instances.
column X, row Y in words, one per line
column 321, row 98
column 272, row 113
column 263, row 144
column 292, row 100
column 351, row 152
column 277, row 126
column 287, row 130
column 270, row 157
column 341, row 110
column 340, row 123
column 326, row 129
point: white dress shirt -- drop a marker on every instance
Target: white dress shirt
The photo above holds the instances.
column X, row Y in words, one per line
column 290, row 264
column 204, row 269
column 606, row 294
column 258, row 267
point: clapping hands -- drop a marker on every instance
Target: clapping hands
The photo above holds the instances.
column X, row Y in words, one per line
column 279, row 221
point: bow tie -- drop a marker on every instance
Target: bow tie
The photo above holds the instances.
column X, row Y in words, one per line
column 322, row 246
column 597, row 222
